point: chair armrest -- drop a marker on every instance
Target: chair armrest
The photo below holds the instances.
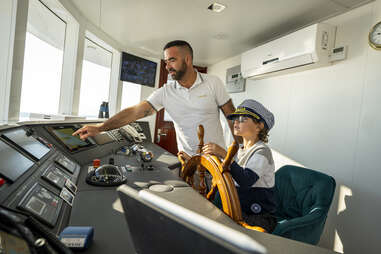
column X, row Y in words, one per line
column 299, row 222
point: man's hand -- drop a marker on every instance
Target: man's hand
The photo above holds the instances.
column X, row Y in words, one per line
column 214, row 149
column 184, row 156
column 87, row 131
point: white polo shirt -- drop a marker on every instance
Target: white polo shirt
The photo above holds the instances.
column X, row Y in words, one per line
column 190, row 107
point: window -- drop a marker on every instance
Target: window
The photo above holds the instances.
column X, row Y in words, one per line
column 131, row 93
column 95, row 83
column 43, row 58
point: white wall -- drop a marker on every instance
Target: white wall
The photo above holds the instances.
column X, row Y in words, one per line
column 328, row 119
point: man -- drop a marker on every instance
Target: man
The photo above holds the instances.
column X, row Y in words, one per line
column 192, row 99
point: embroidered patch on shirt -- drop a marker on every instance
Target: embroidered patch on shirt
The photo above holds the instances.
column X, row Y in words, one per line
column 202, row 96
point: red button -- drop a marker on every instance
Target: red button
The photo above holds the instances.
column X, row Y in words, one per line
column 2, row 181
column 96, row 163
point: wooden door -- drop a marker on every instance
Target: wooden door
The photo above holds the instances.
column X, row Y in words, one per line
column 165, row 134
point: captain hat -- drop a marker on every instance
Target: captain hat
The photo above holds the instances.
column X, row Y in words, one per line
column 256, row 110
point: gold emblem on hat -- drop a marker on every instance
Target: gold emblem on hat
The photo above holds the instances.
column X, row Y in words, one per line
column 244, row 111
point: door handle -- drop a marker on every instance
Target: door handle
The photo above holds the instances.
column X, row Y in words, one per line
column 159, row 134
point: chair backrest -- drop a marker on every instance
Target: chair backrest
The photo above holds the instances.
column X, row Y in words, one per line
column 300, row 190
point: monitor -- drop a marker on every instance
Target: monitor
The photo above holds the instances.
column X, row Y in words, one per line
column 160, row 226
column 137, row 70
column 28, row 143
column 13, row 163
column 64, row 134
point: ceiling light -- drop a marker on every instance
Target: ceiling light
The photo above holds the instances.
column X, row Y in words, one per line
column 216, row 7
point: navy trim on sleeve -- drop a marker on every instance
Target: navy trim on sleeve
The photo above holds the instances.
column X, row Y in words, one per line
column 245, row 177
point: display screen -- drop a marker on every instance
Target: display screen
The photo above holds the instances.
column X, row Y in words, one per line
column 55, row 176
column 64, row 134
column 138, row 70
column 67, row 164
column 30, row 144
column 43, row 203
column 36, row 205
column 71, row 186
column 13, row 164
column 67, row 196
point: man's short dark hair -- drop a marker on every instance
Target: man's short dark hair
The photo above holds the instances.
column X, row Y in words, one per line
column 179, row 43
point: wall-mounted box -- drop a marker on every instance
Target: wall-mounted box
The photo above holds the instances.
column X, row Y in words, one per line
column 234, row 81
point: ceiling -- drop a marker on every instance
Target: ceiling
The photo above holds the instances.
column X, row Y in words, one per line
column 147, row 25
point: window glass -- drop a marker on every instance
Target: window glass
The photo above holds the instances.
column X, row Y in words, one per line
column 131, row 93
column 43, row 58
column 95, row 83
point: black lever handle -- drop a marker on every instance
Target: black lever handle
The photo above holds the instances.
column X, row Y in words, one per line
column 175, row 165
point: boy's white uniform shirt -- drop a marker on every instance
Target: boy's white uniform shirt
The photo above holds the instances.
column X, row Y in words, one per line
column 258, row 158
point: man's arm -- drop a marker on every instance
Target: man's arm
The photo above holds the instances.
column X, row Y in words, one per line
column 124, row 117
column 127, row 116
column 228, row 108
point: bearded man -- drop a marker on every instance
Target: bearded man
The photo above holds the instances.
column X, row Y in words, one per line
column 190, row 99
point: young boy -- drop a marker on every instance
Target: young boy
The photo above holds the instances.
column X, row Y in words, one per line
column 253, row 167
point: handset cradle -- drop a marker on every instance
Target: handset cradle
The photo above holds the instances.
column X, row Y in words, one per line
column 131, row 134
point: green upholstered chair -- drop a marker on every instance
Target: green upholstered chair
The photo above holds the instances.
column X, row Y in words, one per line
column 304, row 197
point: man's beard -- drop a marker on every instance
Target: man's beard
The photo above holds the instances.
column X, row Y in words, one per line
column 179, row 74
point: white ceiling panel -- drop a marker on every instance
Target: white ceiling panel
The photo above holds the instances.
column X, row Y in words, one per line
column 146, row 25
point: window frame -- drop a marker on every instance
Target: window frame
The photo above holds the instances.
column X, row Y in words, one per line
column 114, row 97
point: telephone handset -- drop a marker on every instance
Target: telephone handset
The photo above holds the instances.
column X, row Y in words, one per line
column 130, row 133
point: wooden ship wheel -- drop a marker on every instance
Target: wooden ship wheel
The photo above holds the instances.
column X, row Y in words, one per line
column 221, row 179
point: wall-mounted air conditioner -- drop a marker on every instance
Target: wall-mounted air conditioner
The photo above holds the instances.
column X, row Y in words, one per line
column 304, row 49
